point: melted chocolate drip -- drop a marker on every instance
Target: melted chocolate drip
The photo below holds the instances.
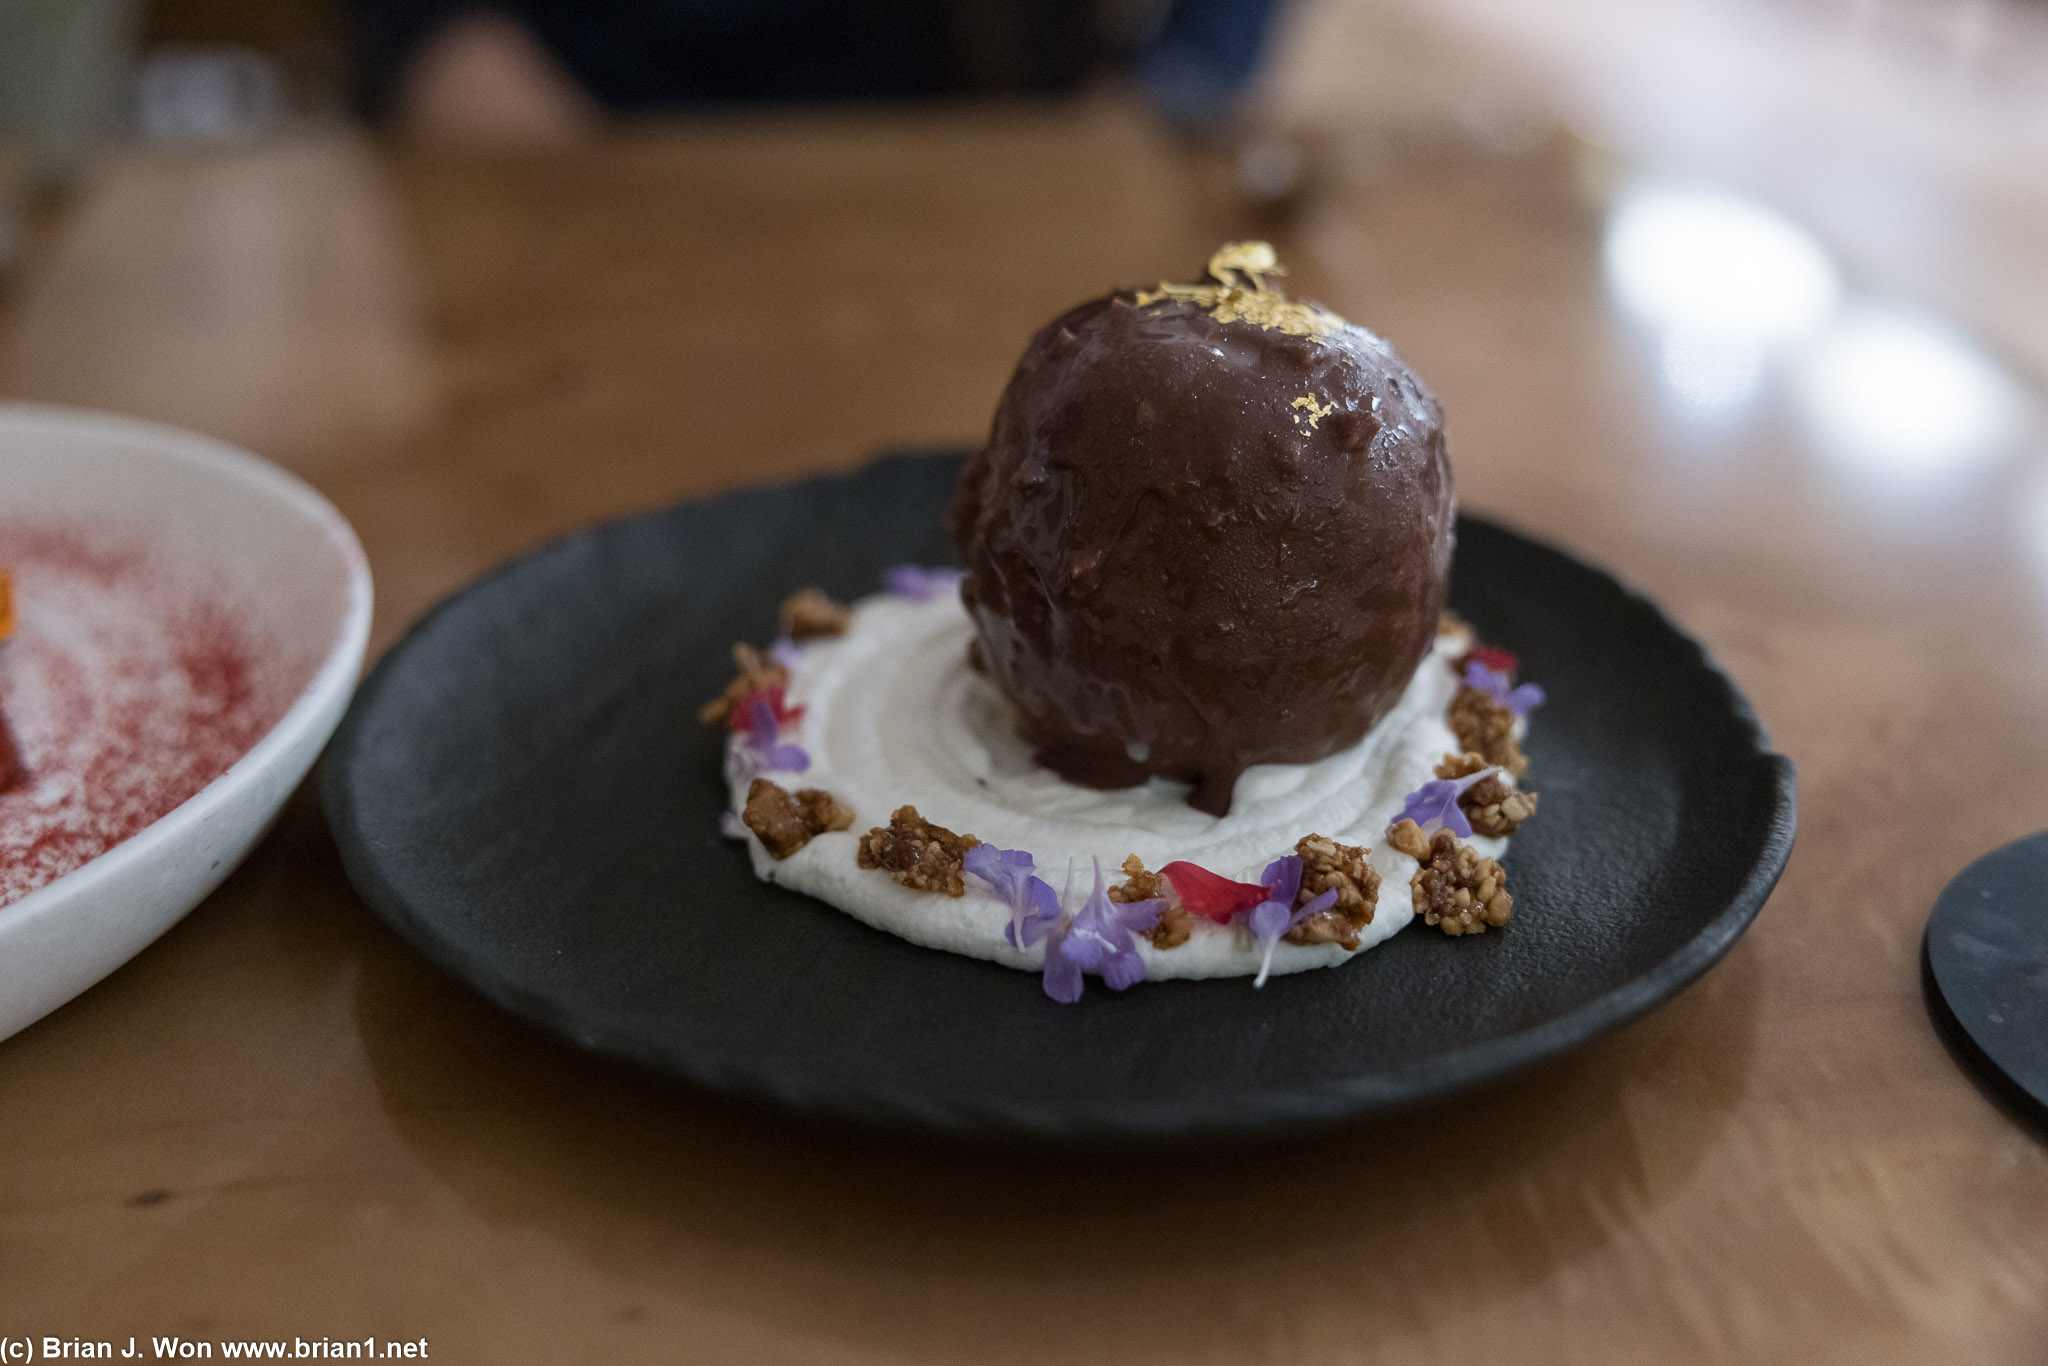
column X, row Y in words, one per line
column 1176, row 570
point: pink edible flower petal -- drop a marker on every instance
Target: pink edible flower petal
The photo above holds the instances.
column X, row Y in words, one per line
column 1210, row 895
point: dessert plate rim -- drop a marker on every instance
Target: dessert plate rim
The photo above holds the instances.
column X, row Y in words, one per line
column 473, row 958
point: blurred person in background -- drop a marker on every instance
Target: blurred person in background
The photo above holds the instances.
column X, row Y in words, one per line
column 546, row 71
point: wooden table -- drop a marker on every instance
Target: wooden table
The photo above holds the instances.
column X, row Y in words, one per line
column 280, row 1122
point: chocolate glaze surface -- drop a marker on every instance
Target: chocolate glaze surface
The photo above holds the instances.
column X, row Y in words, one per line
column 1178, row 568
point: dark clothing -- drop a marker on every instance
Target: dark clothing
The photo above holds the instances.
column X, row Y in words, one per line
column 636, row 55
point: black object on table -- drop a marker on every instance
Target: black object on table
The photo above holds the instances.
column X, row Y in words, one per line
column 1984, row 964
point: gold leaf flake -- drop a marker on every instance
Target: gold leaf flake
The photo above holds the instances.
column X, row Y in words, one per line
column 1238, row 293
column 1316, row 411
column 1247, row 259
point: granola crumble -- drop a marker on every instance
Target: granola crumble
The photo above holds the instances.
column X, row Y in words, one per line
column 1327, row 865
column 808, row 613
column 1407, row 837
column 1493, row 807
column 1458, row 889
column 919, row 855
column 785, row 822
column 1174, row 924
column 822, row 811
column 1487, row 728
column 755, row 672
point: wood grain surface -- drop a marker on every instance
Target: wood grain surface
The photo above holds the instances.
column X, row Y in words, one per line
column 279, row 1122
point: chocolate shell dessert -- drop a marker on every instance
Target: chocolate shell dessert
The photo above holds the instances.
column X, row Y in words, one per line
column 1211, row 528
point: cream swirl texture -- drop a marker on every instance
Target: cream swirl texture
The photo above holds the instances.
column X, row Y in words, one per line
column 894, row 716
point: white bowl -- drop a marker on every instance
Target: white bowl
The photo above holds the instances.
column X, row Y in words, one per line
column 294, row 573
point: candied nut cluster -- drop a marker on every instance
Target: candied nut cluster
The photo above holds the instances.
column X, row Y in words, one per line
column 1490, row 805
column 1140, row 885
column 808, row 613
column 1174, row 924
column 785, row 822
column 919, row 855
column 1487, row 728
column 1455, row 766
column 1407, row 837
column 822, row 811
column 1458, row 889
column 1328, row 865
column 755, row 672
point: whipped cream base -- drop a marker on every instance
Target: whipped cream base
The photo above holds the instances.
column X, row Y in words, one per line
column 894, row 716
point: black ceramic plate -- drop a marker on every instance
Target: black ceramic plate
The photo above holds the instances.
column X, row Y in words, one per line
column 522, row 791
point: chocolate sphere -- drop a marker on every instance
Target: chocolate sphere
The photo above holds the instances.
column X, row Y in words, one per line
column 1211, row 528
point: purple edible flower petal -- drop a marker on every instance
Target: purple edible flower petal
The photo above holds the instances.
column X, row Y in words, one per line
column 1034, row 906
column 788, row 759
column 1495, row 683
column 761, row 720
column 1117, row 924
column 758, row 750
column 1278, row 914
column 919, row 583
column 1435, row 804
column 752, row 757
column 785, row 652
column 1282, row 878
column 1100, row 936
column 1126, row 967
column 1062, row 978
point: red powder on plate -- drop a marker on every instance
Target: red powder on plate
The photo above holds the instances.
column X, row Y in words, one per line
column 127, row 686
